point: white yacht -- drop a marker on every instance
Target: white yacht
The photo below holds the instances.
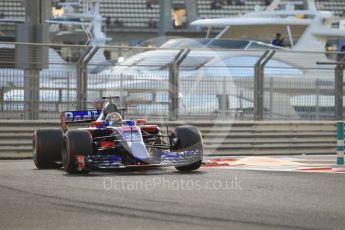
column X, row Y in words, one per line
column 234, row 51
column 61, row 70
column 303, row 26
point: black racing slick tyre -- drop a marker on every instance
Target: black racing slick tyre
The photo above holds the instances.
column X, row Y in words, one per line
column 190, row 167
column 77, row 142
column 189, row 138
column 46, row 147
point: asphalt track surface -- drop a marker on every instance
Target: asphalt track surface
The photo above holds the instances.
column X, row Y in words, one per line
column 163, row 198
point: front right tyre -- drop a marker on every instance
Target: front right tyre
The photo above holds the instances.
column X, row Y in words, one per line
column 189, row 139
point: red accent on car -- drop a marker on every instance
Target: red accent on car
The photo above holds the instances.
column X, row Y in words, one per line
column 80, row 161
column 141, row 121
column 106, row 144
column 150, row 128
column 96, row 123
column 129, row 128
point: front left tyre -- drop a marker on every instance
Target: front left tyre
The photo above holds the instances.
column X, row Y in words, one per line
column 47, row 147
column 77, row 143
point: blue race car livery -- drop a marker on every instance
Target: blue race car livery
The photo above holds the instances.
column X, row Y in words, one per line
column 113, row 142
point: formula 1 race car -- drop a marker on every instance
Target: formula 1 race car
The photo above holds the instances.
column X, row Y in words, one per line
column 113, row 142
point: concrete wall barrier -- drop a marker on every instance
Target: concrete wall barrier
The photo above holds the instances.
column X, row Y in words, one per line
column 220, row 138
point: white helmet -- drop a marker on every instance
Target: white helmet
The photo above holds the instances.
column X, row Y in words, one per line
column 114, row 118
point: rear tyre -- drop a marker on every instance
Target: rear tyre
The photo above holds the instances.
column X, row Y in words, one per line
column 77, row 142
column 189, row 138
column 46, row 147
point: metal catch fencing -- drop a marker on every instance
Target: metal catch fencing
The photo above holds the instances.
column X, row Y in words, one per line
column 167, row 83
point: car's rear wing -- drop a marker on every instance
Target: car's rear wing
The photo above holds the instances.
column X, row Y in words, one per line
column 68, row 117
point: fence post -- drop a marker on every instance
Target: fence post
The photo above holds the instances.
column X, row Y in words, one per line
column 271, row 98
column 2, row 91
column 173, row 91
column 317, row 99
column 340, row 142
column 122, row 97
column 174, row 83
column 80, row 90
column 32, row 58
column 338, row 87
column 31, row 94
column 259, row 84
column 339, row 92
column 82, row 76
column 164, row 17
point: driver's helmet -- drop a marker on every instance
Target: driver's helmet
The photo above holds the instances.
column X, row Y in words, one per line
column 114, row 118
